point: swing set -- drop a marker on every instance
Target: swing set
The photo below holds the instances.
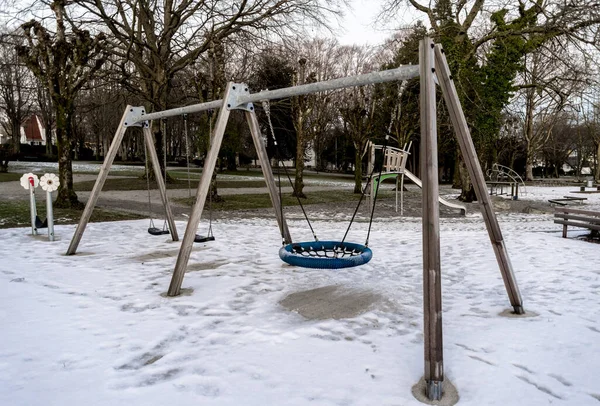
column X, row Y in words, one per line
column 318, row 254
column 431, row 70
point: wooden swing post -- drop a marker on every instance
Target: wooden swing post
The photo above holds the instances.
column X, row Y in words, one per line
column 126, row 121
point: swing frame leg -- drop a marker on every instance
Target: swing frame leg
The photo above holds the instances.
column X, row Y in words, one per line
column 149, row 139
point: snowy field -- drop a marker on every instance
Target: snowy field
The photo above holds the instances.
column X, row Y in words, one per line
column 94, row 329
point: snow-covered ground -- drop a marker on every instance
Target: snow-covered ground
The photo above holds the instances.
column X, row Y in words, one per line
column 544, row 193
column 95, row 329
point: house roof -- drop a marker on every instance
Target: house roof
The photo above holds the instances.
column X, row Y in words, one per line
column 31, row 126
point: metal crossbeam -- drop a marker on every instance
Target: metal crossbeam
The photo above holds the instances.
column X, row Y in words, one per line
column 241, row 99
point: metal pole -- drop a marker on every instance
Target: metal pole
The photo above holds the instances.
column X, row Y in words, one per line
column 50, row 216
column 32, row 209
column 400, row 73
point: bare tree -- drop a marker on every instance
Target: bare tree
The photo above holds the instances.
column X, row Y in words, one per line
column 44, row 106
column 550, row 76
column 64, row 62
column 358, row 105
column 312, row 114
column 15, row 88
column 590, row 113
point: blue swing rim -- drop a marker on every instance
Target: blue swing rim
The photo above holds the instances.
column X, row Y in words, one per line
column 288, row 256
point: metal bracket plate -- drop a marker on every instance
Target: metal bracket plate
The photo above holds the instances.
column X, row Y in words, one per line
column 238, row 89
column 133, row 115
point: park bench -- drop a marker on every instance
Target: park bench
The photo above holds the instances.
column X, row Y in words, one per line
column 567, row 199
column 498, row 188
column 577, row 218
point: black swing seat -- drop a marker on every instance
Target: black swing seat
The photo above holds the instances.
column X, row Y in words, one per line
column 157, row 231
column 39, row 223
column 201, row 238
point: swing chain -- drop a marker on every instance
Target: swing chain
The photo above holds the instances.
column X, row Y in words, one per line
column 267, row 109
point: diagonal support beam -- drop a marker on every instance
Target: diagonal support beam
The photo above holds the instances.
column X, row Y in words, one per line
column 91, row 203
column 474, row 168
column 268, row 174
column 201, row 194
column 149, row 138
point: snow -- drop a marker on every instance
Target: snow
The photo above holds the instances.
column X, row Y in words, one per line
column 96, row 328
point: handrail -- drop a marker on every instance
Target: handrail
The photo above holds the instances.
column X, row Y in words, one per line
column 510, row 173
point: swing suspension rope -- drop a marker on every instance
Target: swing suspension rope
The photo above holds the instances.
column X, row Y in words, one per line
column 320, row 254
column 267, row 108
column 209, row 236
column 187, row 154
column 152, row 229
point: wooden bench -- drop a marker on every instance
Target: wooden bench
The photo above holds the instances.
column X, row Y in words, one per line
column 567, row 199
column 577, row 218
column 497, row 188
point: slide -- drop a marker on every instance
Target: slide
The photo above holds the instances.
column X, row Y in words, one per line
column 417, row 181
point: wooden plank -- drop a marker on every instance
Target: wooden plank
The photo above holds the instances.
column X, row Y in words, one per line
column 432, row 289
column 576, row 224
column 474, row 168
column 265, row 166
column 568, row 216
column 149, row 137
column 201, row 193
column 576, row 211
column 102, row 175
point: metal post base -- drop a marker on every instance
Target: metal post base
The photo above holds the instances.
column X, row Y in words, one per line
column 433, row 390
column 519, row 309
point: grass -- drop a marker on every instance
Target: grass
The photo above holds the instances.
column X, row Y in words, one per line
column 10, row 176
column 136, row 183
column 261, row 201
column 16, row 214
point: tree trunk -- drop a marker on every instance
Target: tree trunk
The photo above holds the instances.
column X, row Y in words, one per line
column 358, row 170
column 529, row 169
column 16, row 137
column 467, row 193
column 66, row 196
column 4, row 159
column 598, row 162
column 48, row 130
column 299, row 174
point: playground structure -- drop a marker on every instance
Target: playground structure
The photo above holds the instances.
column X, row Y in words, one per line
column 49, row 183
column 501, row 177
column 394, row 167
column 432, row 66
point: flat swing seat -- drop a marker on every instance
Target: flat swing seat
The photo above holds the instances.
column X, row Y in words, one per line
column 201, row 238
column 39, row 223
column 157, row 231
column 325, row 254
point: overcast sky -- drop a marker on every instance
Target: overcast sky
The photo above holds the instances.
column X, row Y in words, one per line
column 359, row 23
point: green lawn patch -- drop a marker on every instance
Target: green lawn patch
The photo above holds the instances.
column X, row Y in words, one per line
column 137, row 183
column 16, row 214
column 10, row 176
column 262, row 200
